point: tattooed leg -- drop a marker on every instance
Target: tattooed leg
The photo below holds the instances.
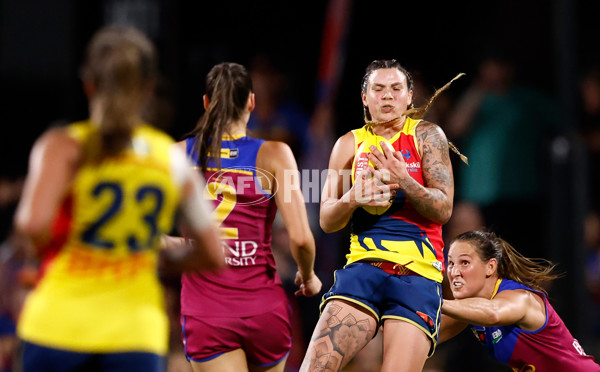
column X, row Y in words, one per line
column 342, row 331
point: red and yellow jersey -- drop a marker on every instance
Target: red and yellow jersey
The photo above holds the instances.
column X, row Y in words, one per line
column 100, row 291
column 397, row 233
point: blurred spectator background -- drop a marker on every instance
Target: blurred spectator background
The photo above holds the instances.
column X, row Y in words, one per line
column 531, row 135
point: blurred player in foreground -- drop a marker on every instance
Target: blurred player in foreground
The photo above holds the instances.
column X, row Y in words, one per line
column 98, row 198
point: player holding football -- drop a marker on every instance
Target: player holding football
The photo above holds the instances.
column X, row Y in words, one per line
column 398, row 202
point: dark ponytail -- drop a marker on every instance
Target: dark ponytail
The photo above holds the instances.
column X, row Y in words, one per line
column 228, row 86
column 511, row 264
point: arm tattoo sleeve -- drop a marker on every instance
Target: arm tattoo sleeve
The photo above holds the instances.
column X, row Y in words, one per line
column 434, row 200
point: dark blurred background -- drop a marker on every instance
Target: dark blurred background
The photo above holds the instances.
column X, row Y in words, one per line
column 308, row 59
column 42, row 46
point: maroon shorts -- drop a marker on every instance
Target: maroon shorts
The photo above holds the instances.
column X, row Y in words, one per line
column 265, row 338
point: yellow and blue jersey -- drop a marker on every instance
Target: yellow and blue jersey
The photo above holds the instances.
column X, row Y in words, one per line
column 399, row 233
column 100, row 292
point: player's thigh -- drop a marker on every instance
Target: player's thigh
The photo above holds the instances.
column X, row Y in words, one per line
column 343, row 329
column 267, row 337
column 277, row 367
column 207, row 338
column 405, row 346
column 232, row 361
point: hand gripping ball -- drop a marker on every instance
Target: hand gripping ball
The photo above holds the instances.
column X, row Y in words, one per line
column 361, row 161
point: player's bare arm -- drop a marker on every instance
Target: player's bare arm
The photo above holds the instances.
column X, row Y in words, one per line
column 53, row 161
column 450, row 327
column 508, row 307
column 435, row 199
column 278, row 159
column 336, row 211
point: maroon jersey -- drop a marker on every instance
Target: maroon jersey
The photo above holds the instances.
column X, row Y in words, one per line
column 550, row 348
column 249, row 285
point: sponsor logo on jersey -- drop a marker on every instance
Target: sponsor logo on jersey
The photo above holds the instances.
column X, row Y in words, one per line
column 405, row 154
column 496, row 336
column 240, row 253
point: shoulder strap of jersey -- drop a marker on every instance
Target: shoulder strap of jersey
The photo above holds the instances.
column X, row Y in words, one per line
column 79, row 130
column 410, row 125
column 359, row 136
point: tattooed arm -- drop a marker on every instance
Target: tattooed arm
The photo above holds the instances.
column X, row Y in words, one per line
column 434, row 200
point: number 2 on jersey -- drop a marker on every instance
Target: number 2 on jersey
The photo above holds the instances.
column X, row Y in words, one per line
column 213, row 190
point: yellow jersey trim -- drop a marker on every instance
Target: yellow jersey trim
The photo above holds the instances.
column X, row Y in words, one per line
column 240, row 171
column 233, row 138
column 350, row 299
column 496, row 287
column 409, row 128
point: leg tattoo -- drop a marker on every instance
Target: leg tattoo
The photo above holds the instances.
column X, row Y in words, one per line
column 337, row 341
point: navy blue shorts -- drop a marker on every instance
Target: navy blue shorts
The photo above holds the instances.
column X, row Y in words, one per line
column 35, row 358
column 411, row 298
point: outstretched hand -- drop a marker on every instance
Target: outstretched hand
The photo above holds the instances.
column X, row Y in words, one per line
column 308, row 287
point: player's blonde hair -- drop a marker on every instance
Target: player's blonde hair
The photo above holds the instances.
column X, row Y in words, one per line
column 121, row 64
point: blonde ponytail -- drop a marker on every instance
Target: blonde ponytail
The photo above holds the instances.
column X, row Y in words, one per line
column 121, row 64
